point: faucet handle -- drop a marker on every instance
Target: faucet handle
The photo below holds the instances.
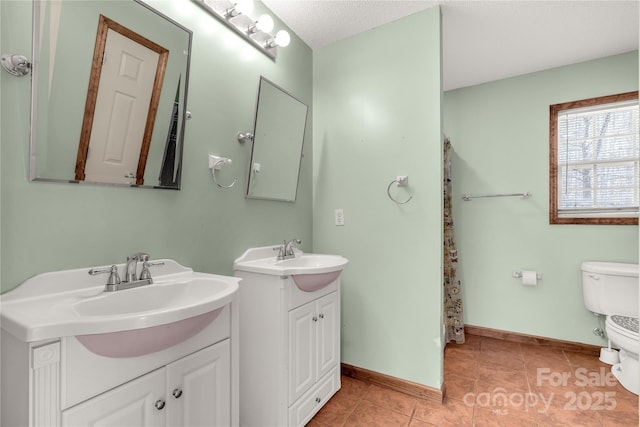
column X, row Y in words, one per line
column 114, row 277
column 281, row 250
column 145, row 274
column 292, row 244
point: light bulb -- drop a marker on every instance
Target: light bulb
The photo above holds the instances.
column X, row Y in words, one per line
column 244, row 6
column 265, row 23
column 282, row 38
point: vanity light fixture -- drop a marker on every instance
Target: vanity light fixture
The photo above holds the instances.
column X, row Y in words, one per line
column 282, row 39
column 235, row 15
column 241, row 7
column 264, row 24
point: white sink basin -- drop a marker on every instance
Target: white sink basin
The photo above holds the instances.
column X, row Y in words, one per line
column 310, row 272
column 155, row 297
column 72, row 303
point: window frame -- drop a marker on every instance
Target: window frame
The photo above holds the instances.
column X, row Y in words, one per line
column 554, row 218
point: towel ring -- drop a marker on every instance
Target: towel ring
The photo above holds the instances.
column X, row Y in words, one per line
column 216, row 166
column 399, row 183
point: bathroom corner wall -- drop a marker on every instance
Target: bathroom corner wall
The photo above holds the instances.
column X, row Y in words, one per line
column 52, row 226
column 376, row 116
column 500, row 135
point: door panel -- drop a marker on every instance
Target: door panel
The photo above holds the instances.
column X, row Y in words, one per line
column 302, row 358
column 328, row 338
column 198, row 388
column 130, row 405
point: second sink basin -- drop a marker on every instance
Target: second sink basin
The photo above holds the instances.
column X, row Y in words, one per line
column 312, row 263
column 302, row 264
column 310, row 272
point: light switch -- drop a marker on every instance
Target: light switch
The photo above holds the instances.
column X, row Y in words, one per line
column 338, row 215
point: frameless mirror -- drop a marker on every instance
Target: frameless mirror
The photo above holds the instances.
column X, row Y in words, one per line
column 109, row 92
column 277, row 144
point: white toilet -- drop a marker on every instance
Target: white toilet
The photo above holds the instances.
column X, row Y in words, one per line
column 611, row 289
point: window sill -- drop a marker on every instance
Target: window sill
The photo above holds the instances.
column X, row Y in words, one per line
column 594, row 221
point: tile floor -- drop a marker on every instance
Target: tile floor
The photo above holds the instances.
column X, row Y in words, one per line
column 492, row 382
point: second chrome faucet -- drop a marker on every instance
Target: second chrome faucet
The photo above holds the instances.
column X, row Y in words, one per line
column 285, row 251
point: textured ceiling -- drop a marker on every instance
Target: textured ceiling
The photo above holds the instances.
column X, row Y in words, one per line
column 482, row 40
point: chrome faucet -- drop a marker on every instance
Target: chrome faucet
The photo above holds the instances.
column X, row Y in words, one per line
column 130, row 269
column 285, row 251
column 288, row 247
column 130, row 273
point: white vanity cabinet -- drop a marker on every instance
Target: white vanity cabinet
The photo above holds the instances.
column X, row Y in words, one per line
column 62, row 383
column 289, row 349
column 190, row 392
column 164, row 354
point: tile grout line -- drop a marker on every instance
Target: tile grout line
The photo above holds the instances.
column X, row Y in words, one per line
column 358, row 402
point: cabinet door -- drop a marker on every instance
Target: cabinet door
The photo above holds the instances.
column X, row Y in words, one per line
column 302, row 357
column 328, row 333
column 198, row 388
column 139, row 403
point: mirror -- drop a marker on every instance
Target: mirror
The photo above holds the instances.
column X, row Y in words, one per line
column 132, row 138
column 277, row 144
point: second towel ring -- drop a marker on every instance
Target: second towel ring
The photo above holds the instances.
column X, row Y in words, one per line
column 401, row 181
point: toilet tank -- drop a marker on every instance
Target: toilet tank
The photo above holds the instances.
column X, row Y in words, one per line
column 610, row 288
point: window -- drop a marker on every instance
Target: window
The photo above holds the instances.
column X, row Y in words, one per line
column 593, row 161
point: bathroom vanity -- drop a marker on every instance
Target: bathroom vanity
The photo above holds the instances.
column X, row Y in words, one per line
column 290, row 336
column 164, row 354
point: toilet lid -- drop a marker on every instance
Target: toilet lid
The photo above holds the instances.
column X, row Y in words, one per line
column 629, row 324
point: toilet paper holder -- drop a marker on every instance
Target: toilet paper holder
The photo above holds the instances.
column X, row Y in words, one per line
column 518, row 275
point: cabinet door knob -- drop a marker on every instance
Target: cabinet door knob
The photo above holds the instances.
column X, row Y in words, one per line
column 177, row 393
column 318, row 399
column 321, row 315
column 315, row 319
column 159, row 404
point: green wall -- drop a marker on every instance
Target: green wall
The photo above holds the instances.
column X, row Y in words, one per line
column 52, row 226
column 500, row 135
column 377, row 114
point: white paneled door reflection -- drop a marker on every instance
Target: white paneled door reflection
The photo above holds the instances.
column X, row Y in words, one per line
column 122, row 105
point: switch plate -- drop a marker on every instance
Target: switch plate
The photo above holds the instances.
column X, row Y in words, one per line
column 338, row 216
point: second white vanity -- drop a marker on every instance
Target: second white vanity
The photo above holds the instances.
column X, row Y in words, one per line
column 162, row 354
column 290, row 335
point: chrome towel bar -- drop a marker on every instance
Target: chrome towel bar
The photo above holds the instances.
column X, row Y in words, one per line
column 525, row 195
